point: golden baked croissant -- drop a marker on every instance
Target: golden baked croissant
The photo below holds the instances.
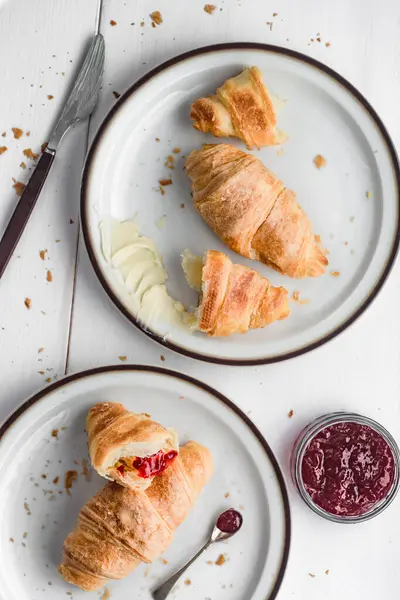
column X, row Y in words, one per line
column 120, row 528
column 126, row 447
column 241, row 108
column 233, row 298
column 250, row 209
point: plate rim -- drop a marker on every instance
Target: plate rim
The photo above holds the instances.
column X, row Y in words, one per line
column 84, row 205
column 134, row 368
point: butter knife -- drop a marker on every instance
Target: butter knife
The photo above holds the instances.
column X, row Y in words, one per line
column 80, row 104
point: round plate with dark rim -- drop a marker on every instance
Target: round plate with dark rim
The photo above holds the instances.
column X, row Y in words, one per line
column 36, row 514
column 352, row 202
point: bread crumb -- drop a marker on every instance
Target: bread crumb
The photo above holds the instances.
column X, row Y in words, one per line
column 146, row 573
column 176, row 150
column 19, row 187
column 227, row 495
column 220, row 560
column 12, row 540
column 210, row 562
column 122, row 358
column 182, row 205
column 209, row 8
column 22, row 165
column 28, row 303
column 28, row 133
column 29, row 154
column 116, row 94
column 164, row 562
column 157, row 139
column 26, row 507
column 42, row 254
column 165, row 182
column 86, row 470
column 48, row 380
column 327, row 572
column 327, row 44
column 113, row 23
column 161, row 189
column 335, row 273
column 162, row 357
column 367, row 194
column 319, row 161
column 170, row 162
column 106, row 594
column 70, row 477
column 49, row 276
column 270, row 25
column 41, row 372
column 3, row 149
column 17, row 132
column 296, row 296
column 311, row 575
column 156, row 17
column 50, row 96
column 188, row 582
column 274, row 14
column 290, row 413
column 4, row 134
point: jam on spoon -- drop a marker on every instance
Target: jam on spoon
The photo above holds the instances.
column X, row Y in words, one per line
column 348, row 468
column 227, row 524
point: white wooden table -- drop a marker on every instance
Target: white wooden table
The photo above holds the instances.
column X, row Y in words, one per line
column 71, row 324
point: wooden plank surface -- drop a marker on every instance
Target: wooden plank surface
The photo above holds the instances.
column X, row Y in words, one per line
column 358, row 371
column 41, row 45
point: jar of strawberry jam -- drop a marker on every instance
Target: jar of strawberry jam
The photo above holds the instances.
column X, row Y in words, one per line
column 346, row 467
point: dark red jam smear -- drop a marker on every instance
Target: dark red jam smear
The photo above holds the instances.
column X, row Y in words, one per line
column 153, row 465
column 230, row 521
column 348, row 468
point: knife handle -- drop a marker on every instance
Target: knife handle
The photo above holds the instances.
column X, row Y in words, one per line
column 24, row 209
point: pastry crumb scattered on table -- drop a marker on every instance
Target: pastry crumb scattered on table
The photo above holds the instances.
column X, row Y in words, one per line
column 17, row 132
column 70, row 477
column 209, row 8
column 220, row 560
column 28, row 303
column 156, row 18
column 319, row 161
column 290, row 413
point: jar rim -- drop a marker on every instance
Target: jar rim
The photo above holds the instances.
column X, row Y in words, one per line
column 308, row 434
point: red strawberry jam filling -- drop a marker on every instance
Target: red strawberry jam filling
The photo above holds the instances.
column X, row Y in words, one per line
column 348, row 468
column 149, row 466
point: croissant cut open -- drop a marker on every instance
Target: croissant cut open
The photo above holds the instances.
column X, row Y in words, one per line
column 126, row 447
column 252, row 211
column 119, row 528
column 233, row 298
column 242, row 107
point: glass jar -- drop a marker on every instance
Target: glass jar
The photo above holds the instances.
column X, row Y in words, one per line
column 302, row 443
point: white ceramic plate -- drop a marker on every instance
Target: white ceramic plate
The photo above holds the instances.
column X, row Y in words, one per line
column 37, row 517
column 323, row 114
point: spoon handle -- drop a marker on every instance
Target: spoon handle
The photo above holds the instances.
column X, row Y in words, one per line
column 162, row 592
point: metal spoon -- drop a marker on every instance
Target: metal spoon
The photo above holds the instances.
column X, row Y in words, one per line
column 217, row 535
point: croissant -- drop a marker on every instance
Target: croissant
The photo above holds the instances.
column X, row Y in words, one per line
column 126, row 447
column 233, row 298
column 250, row 209
column 120, row 528
column 241, row 108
